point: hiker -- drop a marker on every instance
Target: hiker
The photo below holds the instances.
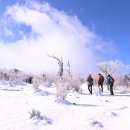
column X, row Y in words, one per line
column 90, row 83
column 110, row 82
column 29, row 80
column 100, row 82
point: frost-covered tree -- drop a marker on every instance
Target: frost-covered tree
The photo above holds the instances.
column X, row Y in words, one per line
column 65, row 81
column 112, row 67
column 13, row 76
column 60, row 84
column 115, row 68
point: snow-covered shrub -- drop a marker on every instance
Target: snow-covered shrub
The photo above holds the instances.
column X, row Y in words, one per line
column 43, row 79
column 13, row 76
column 75, row 83
column 61, row 90
column 64, row 85
column 126, row 80
column 50, row 79
column 37, row 81
column 123, row 81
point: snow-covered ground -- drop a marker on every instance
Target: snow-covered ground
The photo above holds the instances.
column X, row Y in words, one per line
column 80, row 111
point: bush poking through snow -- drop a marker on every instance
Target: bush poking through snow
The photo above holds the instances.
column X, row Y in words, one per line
column 96, row 123
column 113, row 114
column 36, row 117
column 34, row 113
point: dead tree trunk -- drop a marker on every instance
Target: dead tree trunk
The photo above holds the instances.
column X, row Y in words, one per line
column 60, row 62
column 68, row 69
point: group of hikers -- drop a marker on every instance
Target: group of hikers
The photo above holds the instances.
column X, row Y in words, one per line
column 110, row 83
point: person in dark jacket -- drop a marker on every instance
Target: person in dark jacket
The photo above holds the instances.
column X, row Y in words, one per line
column 110, row 82
column 90, row 83
column 100, row 82
column 29, row 80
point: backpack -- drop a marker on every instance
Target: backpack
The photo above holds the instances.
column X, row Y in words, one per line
column 102, row 78
column 112, row 80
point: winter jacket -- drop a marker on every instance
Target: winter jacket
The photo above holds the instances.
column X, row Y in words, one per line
column 90, row 80
column 110, row 80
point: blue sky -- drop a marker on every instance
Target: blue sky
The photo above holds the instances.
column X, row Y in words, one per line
column 108, row 18
column 102, row 28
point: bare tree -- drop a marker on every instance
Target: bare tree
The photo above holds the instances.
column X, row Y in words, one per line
column 115, row 68
column 103, row 68
column 60, row 62
column 68, row 70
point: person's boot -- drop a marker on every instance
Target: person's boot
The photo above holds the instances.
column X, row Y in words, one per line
column 112, row 93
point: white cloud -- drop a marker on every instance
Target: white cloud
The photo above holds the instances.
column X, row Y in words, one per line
column 52, row 32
